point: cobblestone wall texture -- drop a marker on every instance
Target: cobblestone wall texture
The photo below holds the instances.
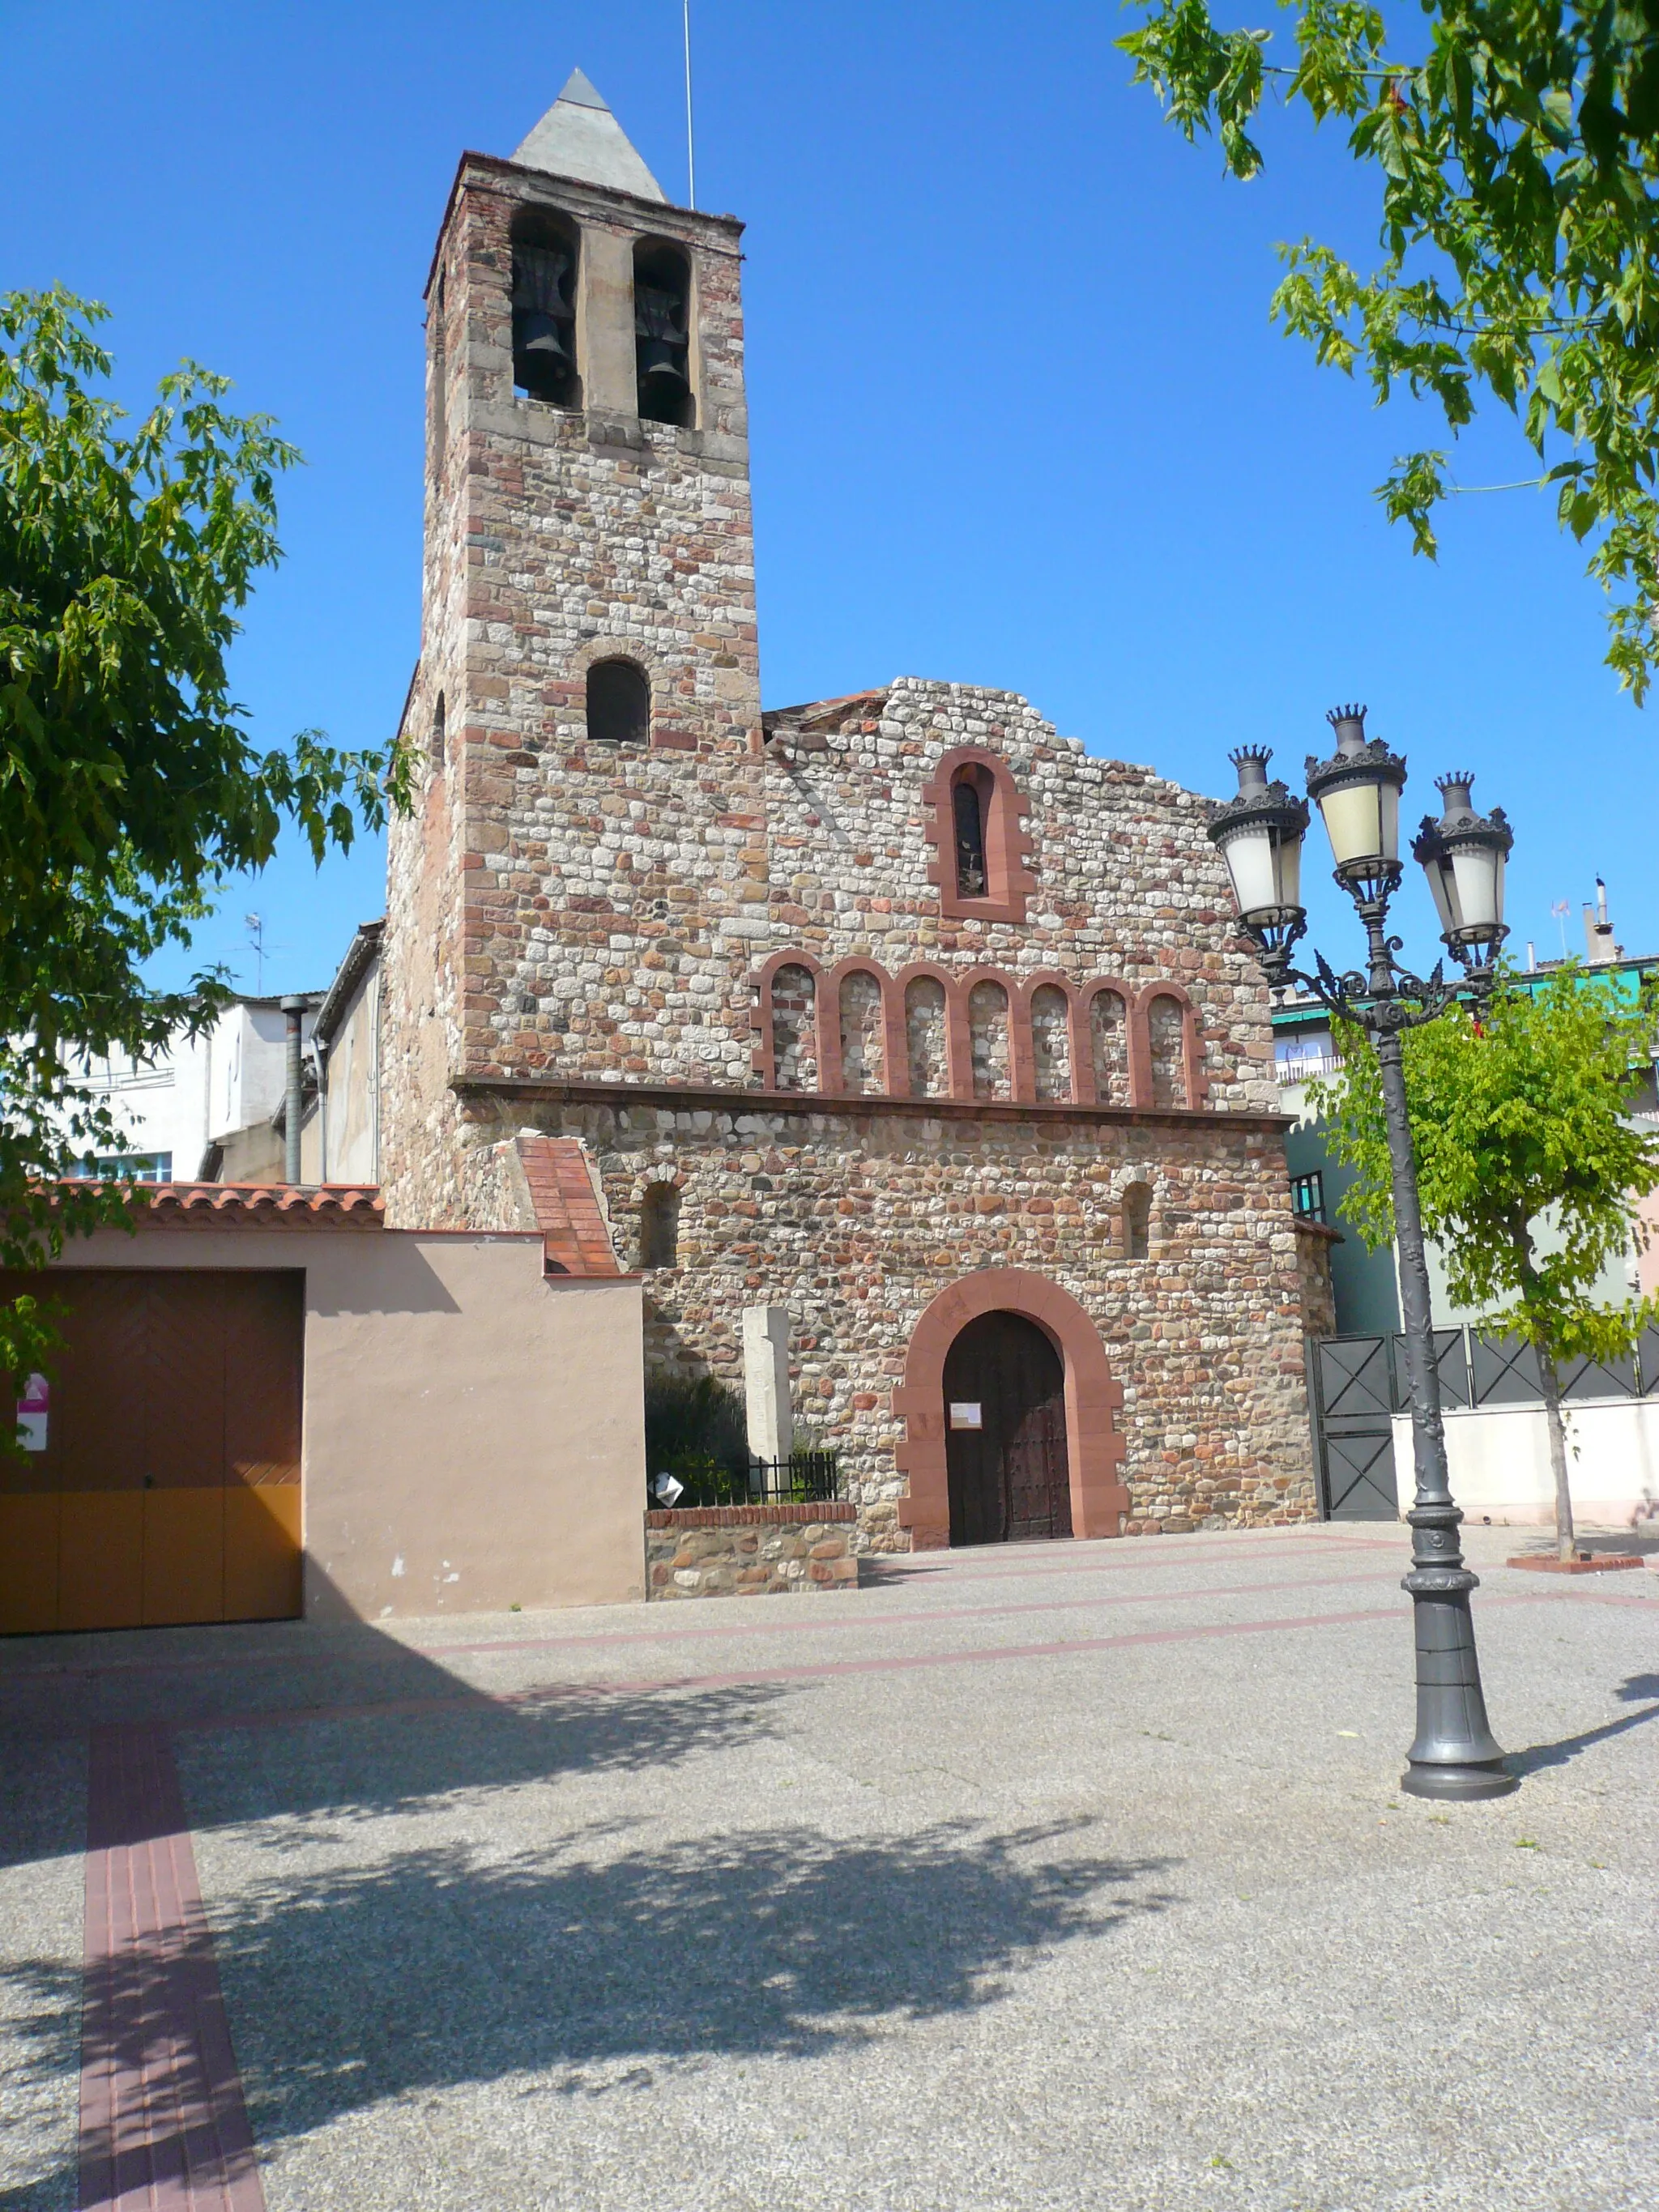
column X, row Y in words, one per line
column 749, row 1553
column 564, row 912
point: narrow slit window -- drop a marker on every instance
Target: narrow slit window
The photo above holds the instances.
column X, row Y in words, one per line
column 1137, row 1221
column 659, row 1226
column 438, row 742
column 967, row 803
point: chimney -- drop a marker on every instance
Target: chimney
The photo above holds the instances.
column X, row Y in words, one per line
column 293, row 1010
column 1600, row 949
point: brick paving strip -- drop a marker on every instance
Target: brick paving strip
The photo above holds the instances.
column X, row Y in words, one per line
column 199, row 1662
column 553, row 1694
column 163, row 2124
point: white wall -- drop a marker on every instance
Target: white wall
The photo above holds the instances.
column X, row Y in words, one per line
column 202, row 1089
column 1500, row 1460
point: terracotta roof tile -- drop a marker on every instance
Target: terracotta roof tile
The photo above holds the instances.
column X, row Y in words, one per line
column 262, row 1204
column 567, row 1209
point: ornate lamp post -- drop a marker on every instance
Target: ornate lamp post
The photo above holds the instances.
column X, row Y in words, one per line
column 1260, row 833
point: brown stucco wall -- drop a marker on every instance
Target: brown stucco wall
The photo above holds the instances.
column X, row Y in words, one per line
column 474, row 1431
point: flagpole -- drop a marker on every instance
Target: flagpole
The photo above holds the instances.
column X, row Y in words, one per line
column 690, row 150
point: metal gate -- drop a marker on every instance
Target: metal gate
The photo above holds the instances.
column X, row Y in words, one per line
column 1350, row 1397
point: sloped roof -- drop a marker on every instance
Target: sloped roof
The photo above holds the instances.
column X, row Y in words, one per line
column 567, row 1207
column 580, row 137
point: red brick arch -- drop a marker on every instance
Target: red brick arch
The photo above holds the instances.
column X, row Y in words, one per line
column 1094, row 1447
column 1192, row 1042
column 894, row 1057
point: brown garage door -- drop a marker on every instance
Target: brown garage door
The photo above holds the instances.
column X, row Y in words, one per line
column 168, row 1489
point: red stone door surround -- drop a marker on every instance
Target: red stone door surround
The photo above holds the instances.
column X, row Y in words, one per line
column 1094, row 1446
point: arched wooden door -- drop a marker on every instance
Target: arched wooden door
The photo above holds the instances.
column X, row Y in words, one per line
column 1004, row 1426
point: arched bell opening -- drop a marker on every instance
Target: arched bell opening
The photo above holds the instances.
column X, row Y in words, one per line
column 545, row 254
column 662, row 334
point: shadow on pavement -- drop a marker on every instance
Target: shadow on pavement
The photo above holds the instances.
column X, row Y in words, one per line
column 594, row 1967
column 1540, row 1755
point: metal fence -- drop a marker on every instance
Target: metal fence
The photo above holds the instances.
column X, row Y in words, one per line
column 1356, row 1384
column 805, row 1477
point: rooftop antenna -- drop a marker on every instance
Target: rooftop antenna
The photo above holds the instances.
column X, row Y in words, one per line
column 690, row 145
column 1560, row 910
column 255, row 925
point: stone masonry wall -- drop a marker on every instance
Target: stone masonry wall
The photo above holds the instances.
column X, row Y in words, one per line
column 552, row 902
column 856, row 1220
column 750, row 1551
column 564, row 912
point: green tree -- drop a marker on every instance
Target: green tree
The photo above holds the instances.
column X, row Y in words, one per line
column 1529, row 1165
column 129, row 789
column 1516, row 156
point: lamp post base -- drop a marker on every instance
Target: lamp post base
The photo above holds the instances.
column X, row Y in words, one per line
column 1460, row 1784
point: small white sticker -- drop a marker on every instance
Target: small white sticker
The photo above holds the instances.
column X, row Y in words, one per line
column 966, row 1417
column 33, row 1411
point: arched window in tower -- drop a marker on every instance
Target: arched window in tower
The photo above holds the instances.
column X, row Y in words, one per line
column 662, row 333
column 659, row 1226
column 988, row 1033
column 794, row 1028
column 971, row 800
column 437, row 744
column 1137, row 1220
column 1051, row 1041
column 1166, row 1032
column 544, row 309
column 1108, row 1045
column 618, row 702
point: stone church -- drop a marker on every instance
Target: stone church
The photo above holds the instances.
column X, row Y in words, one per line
column 898, row 1016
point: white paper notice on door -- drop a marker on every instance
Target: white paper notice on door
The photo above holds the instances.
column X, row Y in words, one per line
column 33, row 1407
column 966, row 1416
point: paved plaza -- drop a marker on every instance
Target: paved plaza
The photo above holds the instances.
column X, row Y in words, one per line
column 1056, row 1876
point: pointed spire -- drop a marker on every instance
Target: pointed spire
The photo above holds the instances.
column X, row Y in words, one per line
column 579, row 137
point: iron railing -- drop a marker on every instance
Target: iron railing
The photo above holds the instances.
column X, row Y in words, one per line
column 805, row 1477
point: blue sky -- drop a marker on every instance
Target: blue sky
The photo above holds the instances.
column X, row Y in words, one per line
column 1018, row 416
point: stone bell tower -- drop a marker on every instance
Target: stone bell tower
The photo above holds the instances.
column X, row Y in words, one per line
column 578, row 888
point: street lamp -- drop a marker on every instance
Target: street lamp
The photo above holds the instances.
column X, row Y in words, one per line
column 1260, row 833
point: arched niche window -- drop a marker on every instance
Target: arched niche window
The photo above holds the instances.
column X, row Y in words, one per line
column 1108, row 1045
column 1051, row 1041
column 988, row 1034
column 545, row 255
column 794, row 1028
column 862, row 1020
column 1166, row 1033
column 437, row 743
column 1137, row 1220
column 925, row 1038
column 662, row 333
column 659, row 1226
column 618, row 702
column 970, row 805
